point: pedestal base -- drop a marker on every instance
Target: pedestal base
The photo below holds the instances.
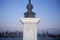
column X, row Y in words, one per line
column 29, row 29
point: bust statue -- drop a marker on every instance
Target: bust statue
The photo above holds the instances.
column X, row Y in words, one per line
column 29, row 13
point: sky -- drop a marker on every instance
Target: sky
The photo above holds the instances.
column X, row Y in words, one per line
column 47, row 10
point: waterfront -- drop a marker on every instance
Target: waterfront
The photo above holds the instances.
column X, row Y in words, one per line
column 39, row 38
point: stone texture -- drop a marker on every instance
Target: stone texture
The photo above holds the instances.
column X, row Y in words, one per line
column 30, row 28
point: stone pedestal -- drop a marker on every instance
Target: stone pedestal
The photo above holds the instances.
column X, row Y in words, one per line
column 30, row 28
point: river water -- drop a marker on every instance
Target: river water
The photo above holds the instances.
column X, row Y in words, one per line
column 40, row 38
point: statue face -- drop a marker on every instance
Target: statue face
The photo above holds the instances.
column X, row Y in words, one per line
column 29, row 7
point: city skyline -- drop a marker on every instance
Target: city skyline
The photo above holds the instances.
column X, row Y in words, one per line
column 47, row 10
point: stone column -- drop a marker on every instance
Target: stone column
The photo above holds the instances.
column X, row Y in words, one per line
column 30, row 28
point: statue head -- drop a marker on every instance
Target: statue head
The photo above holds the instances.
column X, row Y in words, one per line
column 29, row 13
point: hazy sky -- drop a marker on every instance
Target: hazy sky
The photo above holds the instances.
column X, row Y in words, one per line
column 47, row 10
